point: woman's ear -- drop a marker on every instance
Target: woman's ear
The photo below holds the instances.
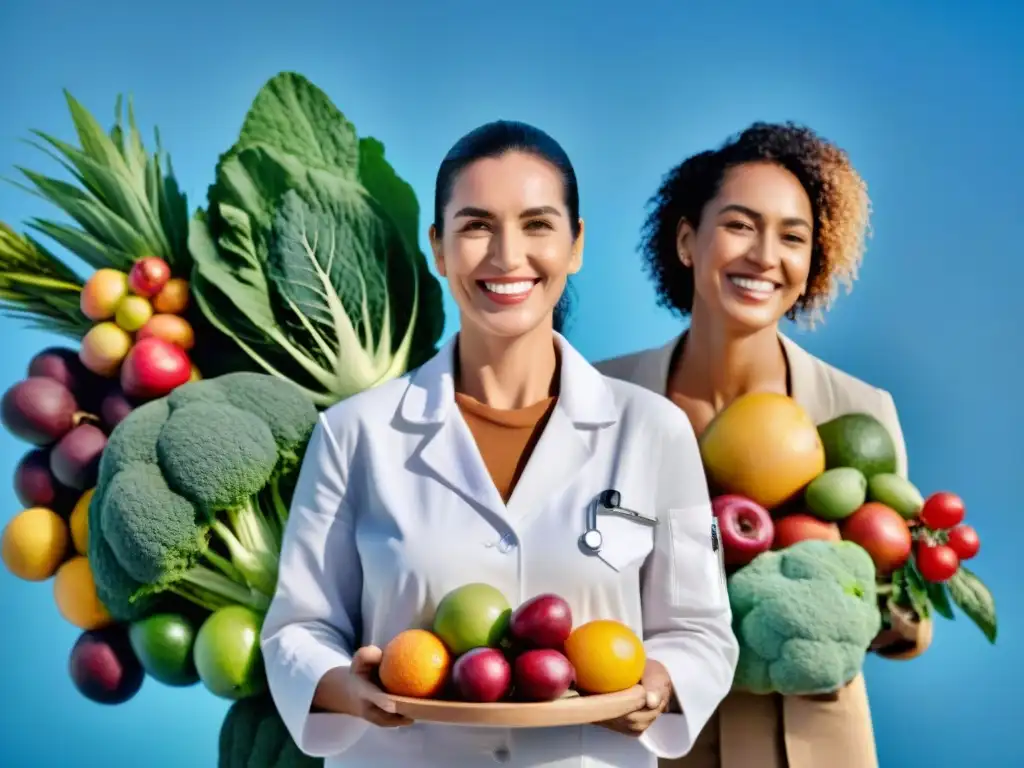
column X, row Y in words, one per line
column 577, row 252
column 684, row 243
column 435, row 247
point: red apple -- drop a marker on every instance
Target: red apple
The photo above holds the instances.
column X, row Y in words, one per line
column 148, row 276
column 883, row 533
column 482, row 675
column 153, row 368
column 544, row 621
column 802, row 527
column 542, row 674
column 746, row 528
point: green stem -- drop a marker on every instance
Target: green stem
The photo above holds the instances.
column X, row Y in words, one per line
column 214, row 585
column 252, row 567
column 223, row 565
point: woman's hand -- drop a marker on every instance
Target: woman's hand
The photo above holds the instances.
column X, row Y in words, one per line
column 658, row 685
column 352, row 691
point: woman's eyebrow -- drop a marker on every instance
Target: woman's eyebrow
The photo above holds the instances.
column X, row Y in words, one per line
column 793, row 221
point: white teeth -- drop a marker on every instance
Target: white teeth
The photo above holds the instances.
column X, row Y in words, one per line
column 753, row 284
column 509, row 289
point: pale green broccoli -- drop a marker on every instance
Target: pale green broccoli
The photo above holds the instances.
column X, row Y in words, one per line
column 191, row 493
column 804, row 617
column 254, row 736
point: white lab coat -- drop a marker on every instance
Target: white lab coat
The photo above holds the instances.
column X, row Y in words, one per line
column 394, row 508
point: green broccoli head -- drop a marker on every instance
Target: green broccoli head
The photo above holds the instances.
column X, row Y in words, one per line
column 254, row 736
column 804, row 617
column 188, row 498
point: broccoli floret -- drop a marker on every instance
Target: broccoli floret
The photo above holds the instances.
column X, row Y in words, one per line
column 190, row 498
column 804, row 617
column 254, row 736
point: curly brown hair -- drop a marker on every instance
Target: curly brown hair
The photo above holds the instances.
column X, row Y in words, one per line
column 839, row 201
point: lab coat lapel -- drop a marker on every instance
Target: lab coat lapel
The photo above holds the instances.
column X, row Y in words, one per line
column 585, row 405
column 447, row 451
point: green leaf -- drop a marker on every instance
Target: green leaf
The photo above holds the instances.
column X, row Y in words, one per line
column 917, row 591
column 86, row 247
column 975, row 600
column 398, row 199
column 940, row 600
column 291, row 114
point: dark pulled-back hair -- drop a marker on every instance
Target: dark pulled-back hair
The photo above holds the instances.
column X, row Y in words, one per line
column 839, row 203
column 494, row 140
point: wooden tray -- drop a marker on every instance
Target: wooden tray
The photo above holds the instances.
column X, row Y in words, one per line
column 572, row 709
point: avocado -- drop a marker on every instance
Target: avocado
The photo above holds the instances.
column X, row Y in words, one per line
column 896, row 492
column 859, row 441
column 836, row 493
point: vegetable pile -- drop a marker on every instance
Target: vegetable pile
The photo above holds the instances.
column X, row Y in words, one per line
column 831, row 551
column 166, row 422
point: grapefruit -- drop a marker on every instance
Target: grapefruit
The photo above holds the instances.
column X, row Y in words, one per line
column 763, row 446
column 607, row 656
column 415, row 663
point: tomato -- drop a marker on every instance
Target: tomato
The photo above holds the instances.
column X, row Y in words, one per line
column 942, row 510
column 964, row 541
column 937, row 562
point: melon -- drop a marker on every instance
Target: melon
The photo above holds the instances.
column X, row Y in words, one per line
column 763, row 446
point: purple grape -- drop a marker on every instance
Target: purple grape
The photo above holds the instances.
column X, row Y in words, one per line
column 75, row 460
column 35, row 485
column 38, row 410
column 63, row 364
column 114, row 408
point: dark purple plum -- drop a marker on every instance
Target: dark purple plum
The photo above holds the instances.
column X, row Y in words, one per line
column 114, row 408
column 38, row 410
column 103, row 666
column 63, row 364
column 35, row 485
column 75, row 460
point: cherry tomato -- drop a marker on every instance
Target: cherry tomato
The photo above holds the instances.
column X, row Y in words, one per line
column 942, row 510
column 937, row 562
column 964, row 541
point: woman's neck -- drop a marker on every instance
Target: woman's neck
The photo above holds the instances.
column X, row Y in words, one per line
column 718, row 365
column 507, row 373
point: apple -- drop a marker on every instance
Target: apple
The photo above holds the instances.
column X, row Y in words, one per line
column 544, row 621
column 542, row 674
column 148, row 276
column 803, row 527
column 482, row 675
column 883, row 533
column 153, row 368
column 102, row 293
column 745, row 526
column 104, row 347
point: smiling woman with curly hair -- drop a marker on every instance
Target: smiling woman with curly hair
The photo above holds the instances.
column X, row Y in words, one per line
column 771, row 225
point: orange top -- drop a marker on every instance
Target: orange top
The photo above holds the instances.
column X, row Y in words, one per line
column 505, row 439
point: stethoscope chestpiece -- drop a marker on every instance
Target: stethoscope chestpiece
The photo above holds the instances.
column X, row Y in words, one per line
column 591, row 540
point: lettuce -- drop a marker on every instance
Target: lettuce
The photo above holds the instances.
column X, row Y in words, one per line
column 307, row 255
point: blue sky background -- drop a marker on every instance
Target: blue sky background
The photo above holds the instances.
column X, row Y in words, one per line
column 925, row 96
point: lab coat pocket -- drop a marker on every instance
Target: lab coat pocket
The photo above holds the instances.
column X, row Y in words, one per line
column 625, row 543
column 698, row 565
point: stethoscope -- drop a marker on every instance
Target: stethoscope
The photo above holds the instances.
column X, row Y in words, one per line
column 608, row 502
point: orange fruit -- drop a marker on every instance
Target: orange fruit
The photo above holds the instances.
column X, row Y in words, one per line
column 34, row 544
column 415, row 663
column 607, row 656
column 74, row 591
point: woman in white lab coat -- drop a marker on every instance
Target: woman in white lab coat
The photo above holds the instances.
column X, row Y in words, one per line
column 481, row 466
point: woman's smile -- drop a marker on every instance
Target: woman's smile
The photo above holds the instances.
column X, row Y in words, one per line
column 752, row 289
column 507, row 290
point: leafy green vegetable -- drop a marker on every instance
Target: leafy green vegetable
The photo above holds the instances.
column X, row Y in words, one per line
column 127, row 203
column 307, row 254
column 975, row 600
column 254, row 736
column 38, row 288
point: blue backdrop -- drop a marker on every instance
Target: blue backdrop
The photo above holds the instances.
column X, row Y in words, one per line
column 926, row 97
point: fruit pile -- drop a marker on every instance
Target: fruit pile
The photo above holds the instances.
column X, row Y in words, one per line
column 480, row 650
column 794, row 481
column 139, row 334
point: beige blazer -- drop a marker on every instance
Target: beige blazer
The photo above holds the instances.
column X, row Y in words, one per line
column 751, row 731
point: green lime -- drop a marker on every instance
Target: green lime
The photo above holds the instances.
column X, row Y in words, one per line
column 163, row 643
